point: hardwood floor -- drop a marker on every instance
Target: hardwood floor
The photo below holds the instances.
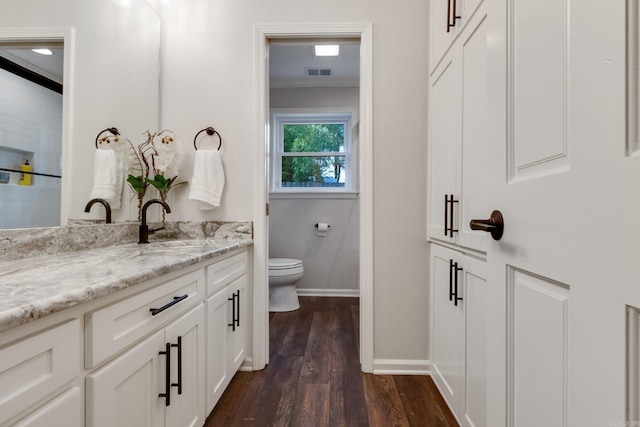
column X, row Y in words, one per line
column 314, row 379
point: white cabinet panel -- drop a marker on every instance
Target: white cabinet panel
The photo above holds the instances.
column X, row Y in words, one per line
column 33, row 368
column 226, row 337
column 113, row 328
column 458, row 349
column 458, row 154
column 65, row 410
column 217, row 343
column 226, row 271
column 125, row 392
column 187, row 402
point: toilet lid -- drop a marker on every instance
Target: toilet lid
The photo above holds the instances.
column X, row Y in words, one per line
column 283, row 263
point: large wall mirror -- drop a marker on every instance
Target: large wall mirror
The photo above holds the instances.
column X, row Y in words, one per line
column 105, row 61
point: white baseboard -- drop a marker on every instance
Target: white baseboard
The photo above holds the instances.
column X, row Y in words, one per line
column 401, row 367
column 247, row 365
column 329, row 292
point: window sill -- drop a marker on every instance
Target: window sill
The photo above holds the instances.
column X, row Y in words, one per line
column 316, row 195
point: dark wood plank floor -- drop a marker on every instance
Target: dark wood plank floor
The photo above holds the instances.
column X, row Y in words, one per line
column 314, row 379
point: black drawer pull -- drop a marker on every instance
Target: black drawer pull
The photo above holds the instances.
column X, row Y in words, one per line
column 179, row 383
column 176, row 300
column 167, row 375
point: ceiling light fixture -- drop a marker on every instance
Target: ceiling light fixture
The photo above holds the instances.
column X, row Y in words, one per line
column 43, row 51
column 327, row 49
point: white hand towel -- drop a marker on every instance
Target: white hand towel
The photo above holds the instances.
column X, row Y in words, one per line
column 208, row 179
column 108, row 178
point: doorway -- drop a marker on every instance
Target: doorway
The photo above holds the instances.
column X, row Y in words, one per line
column 265, row 36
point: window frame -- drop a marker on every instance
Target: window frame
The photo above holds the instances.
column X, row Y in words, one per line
column 282, row 117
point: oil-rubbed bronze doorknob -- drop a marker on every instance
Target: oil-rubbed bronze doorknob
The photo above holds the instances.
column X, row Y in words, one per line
column 493, row 225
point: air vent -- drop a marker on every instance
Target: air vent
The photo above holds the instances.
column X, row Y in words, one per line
column 324, row 72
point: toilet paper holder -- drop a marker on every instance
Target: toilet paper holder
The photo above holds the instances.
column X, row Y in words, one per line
column 316, row 226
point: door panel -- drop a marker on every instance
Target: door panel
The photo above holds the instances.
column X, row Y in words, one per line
column 567, row 189
column 538, row 53
column 539, row 341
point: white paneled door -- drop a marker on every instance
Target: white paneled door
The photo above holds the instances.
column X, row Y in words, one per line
column 567, row 181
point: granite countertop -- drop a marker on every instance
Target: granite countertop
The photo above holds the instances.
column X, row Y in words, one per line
column 34, row 287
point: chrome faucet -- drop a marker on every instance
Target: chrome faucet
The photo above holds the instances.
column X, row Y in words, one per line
column 102, row 202
column 144, row 228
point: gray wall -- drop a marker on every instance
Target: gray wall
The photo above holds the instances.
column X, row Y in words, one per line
column 330, row 263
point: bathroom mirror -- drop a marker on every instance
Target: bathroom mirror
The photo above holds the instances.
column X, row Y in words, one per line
column 111, row 71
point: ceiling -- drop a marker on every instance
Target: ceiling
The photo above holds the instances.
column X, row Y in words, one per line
column 49, row 66
column 289, row 61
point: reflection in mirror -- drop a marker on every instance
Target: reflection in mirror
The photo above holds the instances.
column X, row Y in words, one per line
column 110, row 77
column 30, row 133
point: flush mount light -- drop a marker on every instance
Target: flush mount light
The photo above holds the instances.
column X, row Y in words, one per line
column 327, row 49
column 43, row 51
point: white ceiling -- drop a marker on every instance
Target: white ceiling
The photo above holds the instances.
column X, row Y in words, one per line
column 288, row 62
column 49, row 66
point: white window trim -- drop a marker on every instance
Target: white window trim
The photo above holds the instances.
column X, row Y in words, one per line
column 281, row 116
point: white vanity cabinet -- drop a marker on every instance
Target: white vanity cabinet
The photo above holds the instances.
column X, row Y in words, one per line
column 458, row 139
column 227, row 305
column 37, row 367
column 159, row 382
column 144, row 356
column 458, row 350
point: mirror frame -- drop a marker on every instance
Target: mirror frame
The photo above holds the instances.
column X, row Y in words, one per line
column 67, row 36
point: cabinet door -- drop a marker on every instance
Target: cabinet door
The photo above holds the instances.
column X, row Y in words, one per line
column 473, row 405
column 474, row 155
column 441, row 39
column 446, row 325
column 444, row 139
column 65, row 410
column 217, row 371
column 237, row 335
column 125, row 392
column 186, row 336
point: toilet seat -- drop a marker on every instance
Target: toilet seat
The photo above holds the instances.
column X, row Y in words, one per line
column 279, row 267
column 283, row 263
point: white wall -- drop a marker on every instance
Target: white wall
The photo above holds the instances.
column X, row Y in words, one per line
column 330, row 263
column 30, row 129
column 209, row 80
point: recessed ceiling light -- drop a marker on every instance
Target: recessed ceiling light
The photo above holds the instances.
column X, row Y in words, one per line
column 327, row 49
column 43, row 51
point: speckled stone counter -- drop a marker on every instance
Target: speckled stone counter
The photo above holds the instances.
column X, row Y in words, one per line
column 36, row 286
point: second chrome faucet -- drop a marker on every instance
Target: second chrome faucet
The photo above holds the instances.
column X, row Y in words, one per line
column 144, row 228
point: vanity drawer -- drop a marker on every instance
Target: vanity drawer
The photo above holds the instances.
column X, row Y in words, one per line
column 33, row 368
column 113, row 328
column 226, row 271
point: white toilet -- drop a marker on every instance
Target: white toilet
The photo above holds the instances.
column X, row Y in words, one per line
column 284, row 273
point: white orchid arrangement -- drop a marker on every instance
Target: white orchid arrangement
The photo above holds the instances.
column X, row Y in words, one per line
column 154, row 164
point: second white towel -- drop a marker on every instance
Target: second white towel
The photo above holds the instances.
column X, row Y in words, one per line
column 208, row 179
column 108, row 178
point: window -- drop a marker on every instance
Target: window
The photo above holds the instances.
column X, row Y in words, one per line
column 312, row 153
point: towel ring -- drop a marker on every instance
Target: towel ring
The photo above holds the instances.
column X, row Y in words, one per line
column 210, row 131
column 113, row 131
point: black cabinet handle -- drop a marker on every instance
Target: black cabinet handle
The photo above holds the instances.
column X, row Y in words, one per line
column 176, row 300
column 493, row 225
column 179, row 383
column 452, row 22
column 167, row 378
column 450, row 280
column 448, row 215
column 238, row 311
column 233, row 312
column 456, row 298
